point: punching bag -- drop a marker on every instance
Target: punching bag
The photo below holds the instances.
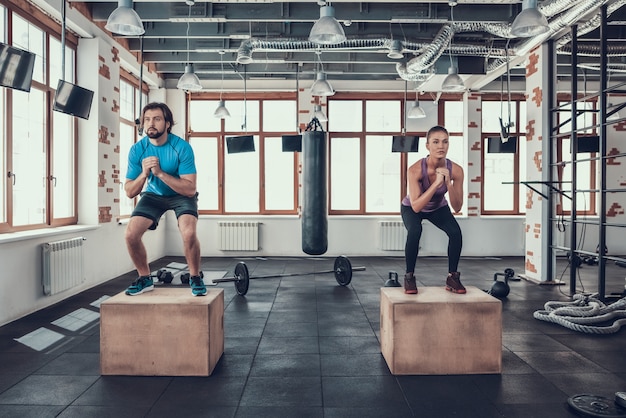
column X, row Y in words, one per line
column 314, row 195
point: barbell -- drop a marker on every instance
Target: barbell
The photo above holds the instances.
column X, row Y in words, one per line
column 342, row 269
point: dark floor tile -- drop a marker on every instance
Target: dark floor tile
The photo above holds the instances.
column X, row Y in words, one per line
column 27, row 362
column 533, row 342
column 455, row 408
column 558, row 361
column 73, row 364
column 127, row 411
column 349, row 345
column 283, row 411
column 518, row 389
column 354, row 365
column 612, row 360
column 512, row 364
column 601, row 384
column 243, row 328
column 291, row 329
column 47, row 390
column 293, row 365
column 592, row 342
column 387, row 411
column 195, row 410
column 231, row 365
column 283, row 392
column 281, row 316
column 345, row 329
column 201, row 391
column 87, row 344
column 289, row 345
column 124, row 391
column 533, row 410
column 362, row 392
column 440, row 389
column 30, row 411
column 241, row 345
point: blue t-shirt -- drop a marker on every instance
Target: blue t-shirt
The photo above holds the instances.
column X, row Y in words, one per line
column 175, row 157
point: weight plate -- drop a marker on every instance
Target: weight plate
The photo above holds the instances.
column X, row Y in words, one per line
column 595, row 406
column 343, row 270
column 242, row 281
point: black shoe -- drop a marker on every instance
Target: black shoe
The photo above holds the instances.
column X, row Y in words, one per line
column 410, row 285
column 453, row 283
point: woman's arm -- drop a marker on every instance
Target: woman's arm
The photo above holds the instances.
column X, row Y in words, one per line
column 455, row 187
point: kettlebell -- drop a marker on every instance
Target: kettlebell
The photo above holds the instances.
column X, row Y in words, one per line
column 392, row 281
column 501, row 289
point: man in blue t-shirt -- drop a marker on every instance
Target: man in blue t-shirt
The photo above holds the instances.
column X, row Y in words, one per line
column 164, row 163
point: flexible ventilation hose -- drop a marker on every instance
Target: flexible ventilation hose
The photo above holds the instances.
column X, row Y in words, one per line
column 585, row 314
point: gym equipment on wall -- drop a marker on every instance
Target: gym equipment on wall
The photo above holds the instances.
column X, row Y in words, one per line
column 342, row 269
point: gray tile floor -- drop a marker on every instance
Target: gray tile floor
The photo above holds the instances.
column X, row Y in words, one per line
column 304, row 346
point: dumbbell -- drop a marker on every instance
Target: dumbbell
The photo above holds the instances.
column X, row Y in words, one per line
column 185, row 277
column 165, row 276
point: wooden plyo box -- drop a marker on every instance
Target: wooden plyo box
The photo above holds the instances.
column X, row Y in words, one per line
column 437, row 332
column 166, row 332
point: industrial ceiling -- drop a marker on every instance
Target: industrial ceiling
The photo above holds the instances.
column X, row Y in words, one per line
column 385, row 40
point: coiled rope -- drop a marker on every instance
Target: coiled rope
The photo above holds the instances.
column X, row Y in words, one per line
column 585, row 314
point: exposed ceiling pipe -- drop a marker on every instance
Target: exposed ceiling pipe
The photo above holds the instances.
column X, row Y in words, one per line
column 419, row 68
column 563, row 44
column 569, row 17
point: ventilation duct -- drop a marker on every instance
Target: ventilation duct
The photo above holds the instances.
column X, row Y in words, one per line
column 419, row 68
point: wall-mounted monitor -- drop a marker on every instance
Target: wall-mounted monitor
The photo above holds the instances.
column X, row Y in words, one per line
column 405, row 143
column 16, row 67
column 72, row 100
column 292, row 143
column 496, row 146
column 588, row 144
column 237, row 144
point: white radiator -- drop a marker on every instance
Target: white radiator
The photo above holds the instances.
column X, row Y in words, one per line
column 63, row 265
column 243, row 236
column 392, row 235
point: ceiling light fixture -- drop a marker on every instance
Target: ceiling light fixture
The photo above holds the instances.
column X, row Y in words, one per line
column 319, row 113
column 124, row 20
column 221, row 111
column 452, row 82
column 416, row 111
column 189, row 81
column 327, row 30
column 530, row 21
column 321, row 86
column 395, row 50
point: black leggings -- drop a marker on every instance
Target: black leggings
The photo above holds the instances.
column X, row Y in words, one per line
column 443, row 219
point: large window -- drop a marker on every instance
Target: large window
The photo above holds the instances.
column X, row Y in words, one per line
column 502, row 193
column 132, row 99
column 586, row 165
column 39, row 145
column 364, row 175
column 263, row 181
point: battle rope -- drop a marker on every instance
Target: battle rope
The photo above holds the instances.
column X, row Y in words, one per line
column 584, row 314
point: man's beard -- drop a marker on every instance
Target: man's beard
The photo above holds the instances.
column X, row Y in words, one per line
column 154, row 133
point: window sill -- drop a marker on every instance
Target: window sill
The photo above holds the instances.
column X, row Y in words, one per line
column 48, row 232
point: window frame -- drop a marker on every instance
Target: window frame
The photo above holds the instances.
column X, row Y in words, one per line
column 50, row 29
column 516, row 99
